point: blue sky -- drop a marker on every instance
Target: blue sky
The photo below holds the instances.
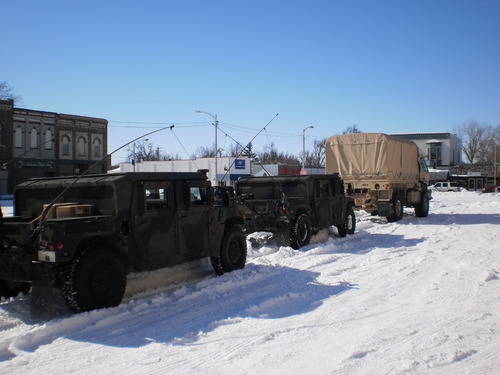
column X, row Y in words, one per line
column 388, row 66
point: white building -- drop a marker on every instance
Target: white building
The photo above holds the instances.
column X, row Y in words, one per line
column 440, row 149
column 229, row 168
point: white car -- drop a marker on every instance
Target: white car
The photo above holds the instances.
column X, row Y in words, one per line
column 445, row 186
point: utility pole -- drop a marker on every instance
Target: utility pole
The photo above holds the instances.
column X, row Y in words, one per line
column 216, row 149
column 495, row 166
column 216, row 124
column 304, row 145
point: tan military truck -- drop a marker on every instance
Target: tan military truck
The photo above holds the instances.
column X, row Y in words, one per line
column 383, row 173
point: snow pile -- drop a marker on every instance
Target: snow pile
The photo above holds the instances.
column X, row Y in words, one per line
column 417, row 296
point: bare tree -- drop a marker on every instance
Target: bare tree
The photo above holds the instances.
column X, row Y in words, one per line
column 351, row 129
column 148, row 151
column 473, row 137
column 7, row 92
column 271, row 155
column 205, row 152
column 316, row 157
column 491, row 137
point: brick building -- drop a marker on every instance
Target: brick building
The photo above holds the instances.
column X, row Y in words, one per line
column 37, row 143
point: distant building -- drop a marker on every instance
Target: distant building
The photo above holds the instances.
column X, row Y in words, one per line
column 229, row 168
column 6, row 110
column 441, row 150
column 282, row 170
column 37, row 143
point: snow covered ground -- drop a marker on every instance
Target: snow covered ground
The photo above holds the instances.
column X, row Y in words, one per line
column 418, row 296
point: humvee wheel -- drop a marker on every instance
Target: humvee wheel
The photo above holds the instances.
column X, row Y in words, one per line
column 300, row 231
column 397, row 214
column 350, row 221
column 233, row 252
column 94, row 280
column 422, row 209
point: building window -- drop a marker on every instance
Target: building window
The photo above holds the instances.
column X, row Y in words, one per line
column 81, row 146
column 48, row 139
column 34, row 138
column 65, row 142
column 18, row 137
column 96, row 143
column 434, row 154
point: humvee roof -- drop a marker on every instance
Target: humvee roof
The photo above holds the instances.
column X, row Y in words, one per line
column 114, row 177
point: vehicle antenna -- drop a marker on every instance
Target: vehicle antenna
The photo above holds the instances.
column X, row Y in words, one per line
column 43, row 216
column 243, row 148
column 258, row 161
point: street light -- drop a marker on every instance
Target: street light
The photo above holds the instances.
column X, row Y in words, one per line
column 133, row 160
column 304, row 145
column 216, row 124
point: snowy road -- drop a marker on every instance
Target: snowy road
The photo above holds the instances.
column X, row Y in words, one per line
column 418, row 296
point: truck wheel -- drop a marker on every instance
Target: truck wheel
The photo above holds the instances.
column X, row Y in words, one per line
column 422, row 209
column 300, row 231
column 350, row 221
column 233, row 252
column 397, row 211
column 95, row 279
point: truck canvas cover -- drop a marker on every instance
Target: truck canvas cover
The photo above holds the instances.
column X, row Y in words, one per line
column 372, row 156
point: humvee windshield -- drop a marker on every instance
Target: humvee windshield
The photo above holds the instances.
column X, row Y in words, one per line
column 29, row 202
column 263, row 190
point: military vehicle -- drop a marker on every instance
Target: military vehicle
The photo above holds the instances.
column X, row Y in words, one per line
column 105, row 226
column 384, row 173
column 294, row 208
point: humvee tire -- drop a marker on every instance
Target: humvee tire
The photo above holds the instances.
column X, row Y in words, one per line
column 95, row 279
column 300, row 231
column 422, row 209
column 233, row 252
column 397, row 213
column 350, row 221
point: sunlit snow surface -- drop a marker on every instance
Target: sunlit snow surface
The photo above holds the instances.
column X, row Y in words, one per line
column 417, row 296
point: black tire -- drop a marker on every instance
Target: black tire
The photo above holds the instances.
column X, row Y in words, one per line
column 12, row 288
column 95, row 279
column 350, row 221
column 233, row 252
column 300, row 231
column 397, row 211
column 422, row 209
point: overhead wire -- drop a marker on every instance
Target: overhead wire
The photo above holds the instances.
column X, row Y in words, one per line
column 184, row 148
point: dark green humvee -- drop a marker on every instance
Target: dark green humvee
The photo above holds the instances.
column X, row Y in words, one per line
column 106, row 226
column 296, row 207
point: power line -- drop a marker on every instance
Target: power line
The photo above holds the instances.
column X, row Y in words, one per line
column 184, row 148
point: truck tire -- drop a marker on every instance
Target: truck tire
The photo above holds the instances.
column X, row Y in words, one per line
column 397, row 211
column 422, row 209
column 300, row 231
column 350, row 221
column 95, row 279
column 233, row 252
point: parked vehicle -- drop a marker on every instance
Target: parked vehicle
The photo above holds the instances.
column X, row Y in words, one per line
column 294, row 208
column 384, row 173
column 491, row 189
column 445, row 186
column 106, row 226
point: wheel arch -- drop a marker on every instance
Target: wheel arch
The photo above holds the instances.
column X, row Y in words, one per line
column 110, row 242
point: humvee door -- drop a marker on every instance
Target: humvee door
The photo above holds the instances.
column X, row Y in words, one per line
column 194, row 218
column 155, row 224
